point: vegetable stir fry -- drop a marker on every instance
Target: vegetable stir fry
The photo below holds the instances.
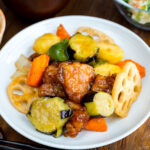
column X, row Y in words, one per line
column 72, row 83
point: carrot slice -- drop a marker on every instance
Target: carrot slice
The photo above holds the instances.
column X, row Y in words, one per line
column 140, row 68
column 96, row 124
column 62, row 33
column 37, row 69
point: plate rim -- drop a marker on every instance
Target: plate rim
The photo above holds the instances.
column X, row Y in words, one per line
column 50, row 144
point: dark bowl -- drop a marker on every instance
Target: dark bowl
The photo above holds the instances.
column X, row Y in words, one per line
column 35, row 9
column 126, row 11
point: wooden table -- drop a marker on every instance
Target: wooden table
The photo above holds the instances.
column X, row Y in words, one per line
column 140, row 139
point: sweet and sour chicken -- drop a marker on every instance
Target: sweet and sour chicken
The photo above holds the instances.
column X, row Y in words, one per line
column 76, row 79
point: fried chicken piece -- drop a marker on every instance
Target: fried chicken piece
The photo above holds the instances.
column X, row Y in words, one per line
column 73, row 105
column 76, row 122
column 103, row 83
column 48, row 89
column 50, row 74
column 51, row 85
column 76, row 79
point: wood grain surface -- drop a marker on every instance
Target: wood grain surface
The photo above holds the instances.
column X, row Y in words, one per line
column 140, row 139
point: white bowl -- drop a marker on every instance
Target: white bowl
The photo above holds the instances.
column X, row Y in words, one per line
column 134, row 47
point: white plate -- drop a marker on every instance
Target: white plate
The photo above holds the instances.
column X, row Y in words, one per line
column 134, row 48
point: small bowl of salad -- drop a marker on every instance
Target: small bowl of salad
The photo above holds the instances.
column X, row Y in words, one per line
column 136, row 12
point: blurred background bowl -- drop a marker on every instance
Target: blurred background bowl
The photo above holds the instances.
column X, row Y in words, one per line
column 2, row 24
column 35, row 9
column 138, row 17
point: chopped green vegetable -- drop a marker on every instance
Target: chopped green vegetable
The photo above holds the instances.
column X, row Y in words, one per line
column 126, row 1
column 138, row 16
column 58, row 52
column 129, row 14
column 148, row 5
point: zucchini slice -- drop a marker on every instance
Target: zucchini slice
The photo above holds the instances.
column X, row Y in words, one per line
column 46, row 115
column 99, row 104
column 83, row 47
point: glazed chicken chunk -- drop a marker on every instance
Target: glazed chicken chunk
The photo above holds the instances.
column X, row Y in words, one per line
column 51, row 85
column 76, row 79
column 50, row 74
column 103, row 83
column 78, row 119
column 77, row 122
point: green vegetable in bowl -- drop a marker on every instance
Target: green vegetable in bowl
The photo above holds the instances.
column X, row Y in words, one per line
column 137, row 15
column 148, row 5
column 49, row 115
column 58, row 52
